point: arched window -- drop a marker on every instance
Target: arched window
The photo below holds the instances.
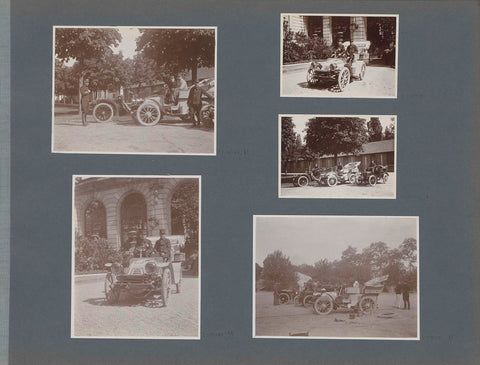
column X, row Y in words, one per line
column 96, row 219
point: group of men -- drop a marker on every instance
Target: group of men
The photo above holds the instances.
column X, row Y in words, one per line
column 143, row 247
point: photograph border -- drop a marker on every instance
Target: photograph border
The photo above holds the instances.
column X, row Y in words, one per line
column 72, row 283
column 283, row 95
column 279, row 172
column 417, row 338
column 52, row 136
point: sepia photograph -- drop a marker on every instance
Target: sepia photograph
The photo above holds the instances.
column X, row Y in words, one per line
column 336, row 277
column 134, row 90
column 339, row 55
column 337, row 156
column 136, row 257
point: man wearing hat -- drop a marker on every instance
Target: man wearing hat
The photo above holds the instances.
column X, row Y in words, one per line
column 195, row 104
column 163, row 246
column 85, row 101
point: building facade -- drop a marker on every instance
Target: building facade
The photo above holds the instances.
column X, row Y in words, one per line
column 113, row 208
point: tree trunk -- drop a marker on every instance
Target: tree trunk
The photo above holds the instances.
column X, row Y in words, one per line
column 194, row 71
column 335, row 159
column 80, row 83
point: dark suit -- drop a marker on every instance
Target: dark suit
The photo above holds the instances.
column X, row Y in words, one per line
column 195, row 102
column 164, row 247
column 86, row 98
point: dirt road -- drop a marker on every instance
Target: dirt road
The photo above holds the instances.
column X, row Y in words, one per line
column 281, row 320
column 341, row 191
column 92, row 316
column 123, row 135
column 379, row 81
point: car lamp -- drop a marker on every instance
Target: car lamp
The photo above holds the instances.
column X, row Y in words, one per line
column 150, row 268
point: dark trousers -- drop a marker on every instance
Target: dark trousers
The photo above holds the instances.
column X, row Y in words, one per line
column 406, row 301
column 197, row 113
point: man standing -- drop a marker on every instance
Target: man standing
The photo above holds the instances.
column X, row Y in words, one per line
column 406, row 295
column 195, row 102
column 398, row 293
column 163, row 246
column 85, row 100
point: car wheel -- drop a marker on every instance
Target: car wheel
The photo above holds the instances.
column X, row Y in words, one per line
column 166, row 281
column 343, row 78
column 372, row 180
column 148, row 113
column 208, row 116
column 332, row 180
column 311, row 77
column 112, row 294
column 103, row 112
column 307, row 300
column 352, row 179
column 385, row 178
column 302, row 181
column 367, row 305
column 361, row 75
column 323, row 305
column 284, row 298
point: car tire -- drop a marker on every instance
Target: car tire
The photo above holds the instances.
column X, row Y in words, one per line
column 372, row 180
column 361, row 75
column 149, row 113
column 343, row 78
column 385, row 178
column 112, row 294
column 284, row 298
column 166, row 282
column 307, row 300
column 310, row 78
column 302, row 181
column 332, row 180
column 296, row 301
column 103, row 113
column 323, row 305
column 367, row 305
column 352, row 179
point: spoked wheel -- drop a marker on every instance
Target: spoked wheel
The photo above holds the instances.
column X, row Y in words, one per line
column 332, row 180
column 323, row 305
column 166, row 281
column 208, row 115
column 307, row 300
column 103, row 112
column 302, row 181
column 385, row 178
column 367, row 305
column 148, row 113
column 296, row 301
column 311, row 77
column 343, row 78
column 111, row 293
column 284, row 298
column 352, row 179
column 372, row 180
column 361, row 75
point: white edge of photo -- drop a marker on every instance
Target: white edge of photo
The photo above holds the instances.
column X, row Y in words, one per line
column 333, row 197
column 214, row 153
column 302, row 337
column 395, row 96
column 72, row 284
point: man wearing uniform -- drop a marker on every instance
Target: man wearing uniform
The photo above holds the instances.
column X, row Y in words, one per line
column 143, row 247
column 85, row 101
column 163, row 246
column 195, row 102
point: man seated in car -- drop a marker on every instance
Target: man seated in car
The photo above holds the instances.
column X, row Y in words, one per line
column 340, row 50
column 143, row 247
column 163, row 246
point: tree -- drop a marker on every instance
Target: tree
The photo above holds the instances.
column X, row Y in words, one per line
column 176, row 50
column 291, row 143
column 277, row 268
column 185, row 203
column 332, row 136
column 145, row 70
column 389, row 132
column 65, row 80
column 258, row 272
column 408, row 250
column 84, row 44
column 377, row 256
column 374, row 129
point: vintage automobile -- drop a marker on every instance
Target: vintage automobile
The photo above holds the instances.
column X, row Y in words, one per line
column 157, row 106
column 363, row 298
column 145, row 276
column 336, row 69
column 329, row 176
column 152, row 109
column 287, row 295
column 372, row 175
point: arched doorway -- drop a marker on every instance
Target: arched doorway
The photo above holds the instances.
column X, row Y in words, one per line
column 133, row 216
column 96, row 220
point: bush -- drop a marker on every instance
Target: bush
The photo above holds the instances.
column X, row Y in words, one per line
column 92, row 253
column 298, row 47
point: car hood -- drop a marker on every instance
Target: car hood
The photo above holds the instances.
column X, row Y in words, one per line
column 329, row 61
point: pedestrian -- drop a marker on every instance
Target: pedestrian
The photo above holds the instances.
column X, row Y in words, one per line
column 195, row 102
column 406, row 295
column 398, row 295
column 276, row 294
column 86, row 98
column 163, row 246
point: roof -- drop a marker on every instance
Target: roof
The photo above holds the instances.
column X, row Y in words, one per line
column 372, row 147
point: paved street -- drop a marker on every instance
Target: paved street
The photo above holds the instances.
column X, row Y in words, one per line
column 92, row 316
column 281, row 320
column 347, row 191
column 379, row 81
column 124, row 135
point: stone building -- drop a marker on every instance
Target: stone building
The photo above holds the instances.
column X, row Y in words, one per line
column 378, row 30
column 113, row 208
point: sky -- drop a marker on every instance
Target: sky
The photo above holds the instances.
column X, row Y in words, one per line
column 301, row 120
column 307, row 239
